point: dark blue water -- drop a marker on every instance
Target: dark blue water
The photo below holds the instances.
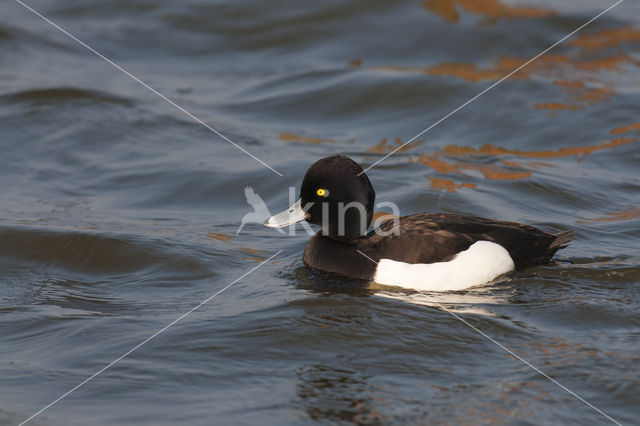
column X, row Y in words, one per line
column 118, row 211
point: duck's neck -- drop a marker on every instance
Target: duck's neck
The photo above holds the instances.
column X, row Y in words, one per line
column 341, row 257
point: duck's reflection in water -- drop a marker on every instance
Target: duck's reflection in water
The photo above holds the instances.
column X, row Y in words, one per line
column 475, row 300
column 470, row 301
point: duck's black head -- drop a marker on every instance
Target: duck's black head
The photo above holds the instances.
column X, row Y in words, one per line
column 336, row 195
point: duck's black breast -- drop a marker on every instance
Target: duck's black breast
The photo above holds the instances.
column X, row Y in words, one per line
column 430, row 238
column 339, row 257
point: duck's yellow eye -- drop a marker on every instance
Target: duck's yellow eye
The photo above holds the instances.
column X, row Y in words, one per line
column 322, row 192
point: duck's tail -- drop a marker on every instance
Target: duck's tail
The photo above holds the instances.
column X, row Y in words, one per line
column 562, row 240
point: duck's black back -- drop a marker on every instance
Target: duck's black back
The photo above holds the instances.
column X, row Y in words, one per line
column 452, row 233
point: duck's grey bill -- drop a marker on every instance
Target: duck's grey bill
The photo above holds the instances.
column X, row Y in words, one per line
column 293, row 214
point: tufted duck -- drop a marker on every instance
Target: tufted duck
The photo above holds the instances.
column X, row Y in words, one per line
column 424, row 251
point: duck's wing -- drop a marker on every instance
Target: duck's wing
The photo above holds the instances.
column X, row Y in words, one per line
column 526, row 244
column 415, row 240
column 436, row 237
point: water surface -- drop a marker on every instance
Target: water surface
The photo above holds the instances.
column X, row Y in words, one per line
column 118, row 212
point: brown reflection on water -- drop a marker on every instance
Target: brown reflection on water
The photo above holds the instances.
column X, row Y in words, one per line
column 606, row 38
column 448, row 185
column 592, row 95
column 292, row 137
column 489, row 171
column 555, row 65
column 458, row 160
column 632, row 213
column 492, row 10
column 578, row 92
column 255, row 255
column 246, row 253
column 579, row 151
column 384, row 147
column 455, row 160
column 625, row 129
column 219, row 236
column 576, row 72
column 556, row 105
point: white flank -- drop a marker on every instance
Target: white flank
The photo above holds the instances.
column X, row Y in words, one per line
column 479, row 264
